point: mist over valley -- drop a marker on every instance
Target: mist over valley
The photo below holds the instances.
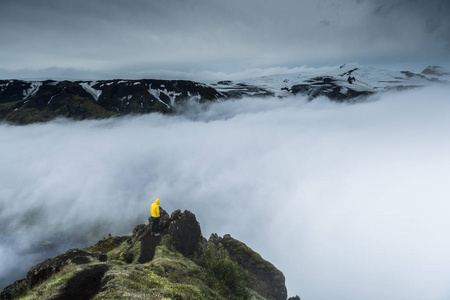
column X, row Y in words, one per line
column 348, row 200
column 316, row 132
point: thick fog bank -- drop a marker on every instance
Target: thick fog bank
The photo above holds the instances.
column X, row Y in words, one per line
column 349, row 201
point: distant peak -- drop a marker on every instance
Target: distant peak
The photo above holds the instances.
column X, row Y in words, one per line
column 435, row 70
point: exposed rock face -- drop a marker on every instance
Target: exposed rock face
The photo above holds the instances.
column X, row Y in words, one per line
column 185, row 232
column 328, row 87
column 47, row 268
column 240, row 90
column 181, row 226
column 263, row 271
column 13, row 90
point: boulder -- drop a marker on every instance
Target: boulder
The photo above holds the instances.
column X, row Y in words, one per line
column 183, row 228
column 185, row 231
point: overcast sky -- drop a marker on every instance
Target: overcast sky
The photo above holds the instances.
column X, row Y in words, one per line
column 207, row 38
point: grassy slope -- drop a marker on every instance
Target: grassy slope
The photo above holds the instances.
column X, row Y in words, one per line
column 169, row 275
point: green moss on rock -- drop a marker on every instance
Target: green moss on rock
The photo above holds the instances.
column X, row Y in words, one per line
column 262, row 277
column 225, row 269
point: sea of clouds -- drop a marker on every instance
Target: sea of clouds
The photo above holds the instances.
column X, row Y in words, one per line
column 349, row 201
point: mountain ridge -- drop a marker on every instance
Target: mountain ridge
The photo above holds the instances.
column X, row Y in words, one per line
column 25, row 102
column 179, row 264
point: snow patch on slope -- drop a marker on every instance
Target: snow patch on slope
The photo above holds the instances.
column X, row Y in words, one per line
column 157, row 94
column 33, row 89
column 3, row 86
column 88, row 87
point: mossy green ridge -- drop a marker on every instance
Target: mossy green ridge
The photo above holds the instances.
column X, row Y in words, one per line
column 262, row 276
column 110, row 269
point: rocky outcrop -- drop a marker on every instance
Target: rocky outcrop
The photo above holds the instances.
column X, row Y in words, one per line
column 15, row 90
column 182, row 227
column 239, row 90
column 181, row 230
column 328, row 87
column 185, row 232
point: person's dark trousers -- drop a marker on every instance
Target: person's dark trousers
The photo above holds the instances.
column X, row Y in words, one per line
column 155, row 224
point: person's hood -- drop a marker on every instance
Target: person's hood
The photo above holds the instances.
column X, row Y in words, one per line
column 157, row 201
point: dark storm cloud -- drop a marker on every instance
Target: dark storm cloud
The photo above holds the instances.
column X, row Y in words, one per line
column 141, row 37
column 432, row 16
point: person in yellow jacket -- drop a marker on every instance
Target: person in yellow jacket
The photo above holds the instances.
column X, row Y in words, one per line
column 154, row 211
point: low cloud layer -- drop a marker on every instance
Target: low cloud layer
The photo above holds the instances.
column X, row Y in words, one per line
column 348, row 201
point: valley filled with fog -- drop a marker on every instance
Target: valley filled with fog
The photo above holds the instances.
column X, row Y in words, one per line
column 349, row 201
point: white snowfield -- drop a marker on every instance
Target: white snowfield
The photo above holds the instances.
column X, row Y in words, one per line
column 368, row 79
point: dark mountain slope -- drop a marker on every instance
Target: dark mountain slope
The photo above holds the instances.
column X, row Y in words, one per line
column 24, row 102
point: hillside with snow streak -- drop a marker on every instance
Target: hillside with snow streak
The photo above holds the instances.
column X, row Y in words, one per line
column 24, row 102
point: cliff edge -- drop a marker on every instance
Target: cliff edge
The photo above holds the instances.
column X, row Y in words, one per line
column 178, row 264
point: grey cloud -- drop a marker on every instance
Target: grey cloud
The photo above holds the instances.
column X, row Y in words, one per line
column 325, row 22
column 219, row 36
column 432, row 16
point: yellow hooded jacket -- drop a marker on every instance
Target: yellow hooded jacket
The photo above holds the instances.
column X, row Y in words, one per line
column 154, row 208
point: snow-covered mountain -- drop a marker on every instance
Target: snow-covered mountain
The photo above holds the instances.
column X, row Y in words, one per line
column 23, row 102
column 345, row 82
